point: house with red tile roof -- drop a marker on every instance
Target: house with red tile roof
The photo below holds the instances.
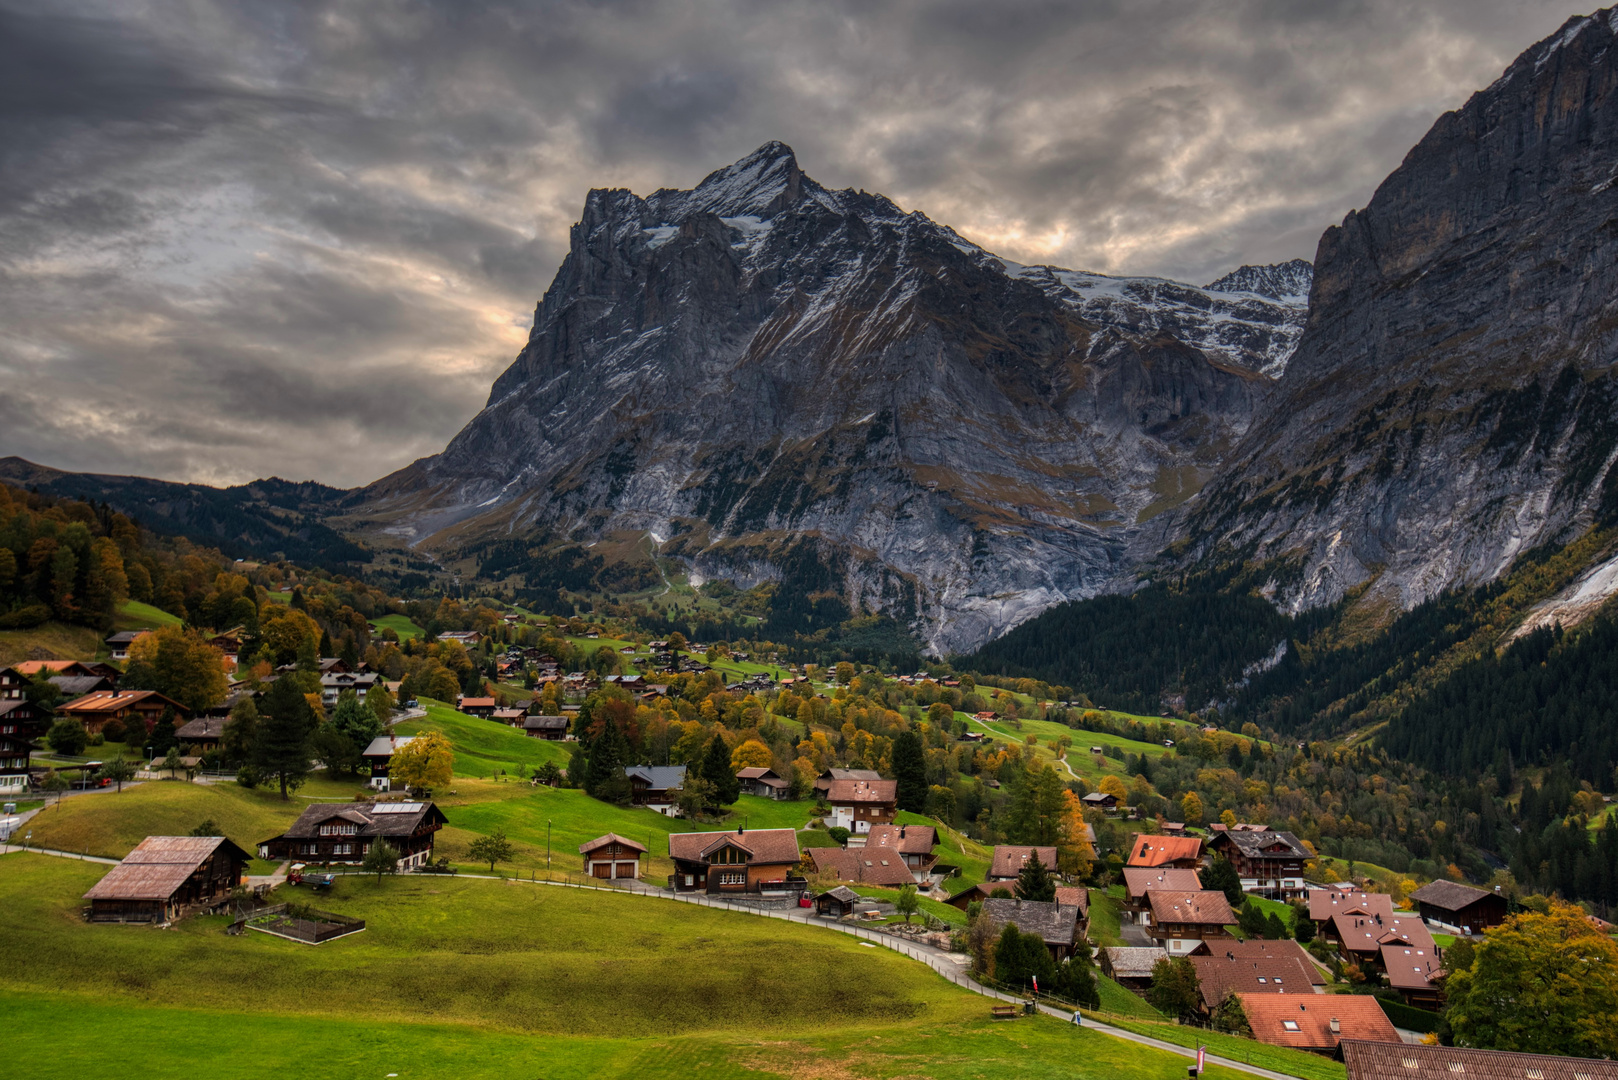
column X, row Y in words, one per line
column 747, row 860
column 1180, row 852
column 1009, row 860
column 612, row 856
column 856, row 805
column 1383, row 1061
column 1139, row 880
column 1180, row 922
column 1317, row 1023
column 1417, row 973
column 863, row 866
column 913, row 843
column 1221, row 974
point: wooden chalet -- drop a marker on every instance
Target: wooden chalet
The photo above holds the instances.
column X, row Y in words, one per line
column 1009, row 859
column 76, row 686
column 1417, row 973
column 509, row 717
column 22, row 718
column 837, row 903
column 734, row 862
column 1360, row 935
column 126, row 706
column 654, row 786
column 857, row 805
column 1385, row 1061
column 1262, row 949
column 1179, row 852
column 1222, row 973
column 1180, row 922
column 553, row 728
column 1141, row 880
column 476, row 706
column 378, row 755
column 203, row 733
column 981, row 891
column 165, row 877
column 824, row 781
column 1465, row 907
column 912, row 843
column 1056, row 924
column 14, row 754
column 79, row 669
column 1269, row 863
column 1318, row 1023
column 612, row 857
column 1130, row 966
column 764, row 783
column 1101, row 800
column 344, row 832
column 118, row 644
column 862, row 867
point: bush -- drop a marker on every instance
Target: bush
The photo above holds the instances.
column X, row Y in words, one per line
column 96, row 740
column 25, row 617
column 248, row 777
column 1407, row 1016
column 67, row 737
column 838, row 833
column 113, row 730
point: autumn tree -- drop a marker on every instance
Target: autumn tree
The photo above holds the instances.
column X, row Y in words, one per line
column 180, row 664
column 1539, row 984
column 426, row 762
column 1191, row 811
column 1113, row 785
column 751, row 754
column 1075, row 856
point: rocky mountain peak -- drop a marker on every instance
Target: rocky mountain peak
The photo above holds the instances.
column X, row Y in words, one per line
column 1288, row 281
column 760, row 185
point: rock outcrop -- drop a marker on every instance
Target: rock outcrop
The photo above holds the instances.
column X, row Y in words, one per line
column 1452, row 402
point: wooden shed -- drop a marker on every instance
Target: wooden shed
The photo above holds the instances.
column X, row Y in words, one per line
column 167, row 877
column 612, row 856
column 837, row 902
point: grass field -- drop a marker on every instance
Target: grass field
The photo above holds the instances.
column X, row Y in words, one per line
column 517, row 981
column 1104, row 916
column 58, row 641
column 399, row 624
column 1119, row 1001
column 1279, row 1058
column 484, row 747
column 134, row 615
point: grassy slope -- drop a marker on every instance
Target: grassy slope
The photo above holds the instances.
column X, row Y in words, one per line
column 1122, row 1002
column 134, row 615
column 1279, row 1058
column 517, row 981
column 400, row 624
column 52, row 641
column 484, row 747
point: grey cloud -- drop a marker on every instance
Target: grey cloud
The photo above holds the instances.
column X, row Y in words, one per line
column 240, row 238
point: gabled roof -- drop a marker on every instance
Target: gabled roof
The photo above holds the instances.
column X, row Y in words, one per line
column 863, row 867
column 373, row 819
column 1009, row 859
column 1132, row 962
column 610, row 838
column 862, row 791
column 1206, row 908
column 1268, row 844
column 1222, row 974
column 1358, row 1017
column 1074, row 896
column 203, row 727
column 755, row 772
column 1411, row 968
column 1056, row 924
column 32, row 668
column 475, row 703
column 905, row 839
column 1139, row 879
column 385, row 745
column 843, row 894
column 657, row 777
column 1384, row 1061
column 768, row 846
column 158, row 866
column 75, row 686
column 113, row 701
column 1158, row 850
column 1367, row 934
column 1258, row 948
column 1450, row 895
column 850, row 774
column 1325, row 904
column 545, row 723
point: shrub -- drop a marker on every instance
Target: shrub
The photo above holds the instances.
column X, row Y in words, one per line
column 838, row 833
column 113, row 730
column 67, row 737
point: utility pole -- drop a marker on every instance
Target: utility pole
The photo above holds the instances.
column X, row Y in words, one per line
column 547, row 845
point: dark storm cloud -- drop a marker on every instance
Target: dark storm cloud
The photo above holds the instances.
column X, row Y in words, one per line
column 240, row 237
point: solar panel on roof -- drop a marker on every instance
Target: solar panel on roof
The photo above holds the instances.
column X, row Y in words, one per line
column 397, row 808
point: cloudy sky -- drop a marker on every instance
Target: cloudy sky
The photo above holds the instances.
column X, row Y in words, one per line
column 249, row 238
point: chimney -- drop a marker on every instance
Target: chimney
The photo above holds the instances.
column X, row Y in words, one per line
column 1336, row 1028
column 901, row 832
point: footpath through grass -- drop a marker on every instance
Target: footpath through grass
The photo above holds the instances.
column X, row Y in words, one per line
column 517, row 980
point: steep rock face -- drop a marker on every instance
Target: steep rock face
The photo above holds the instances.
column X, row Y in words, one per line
column 1452, row 402
column 760, row 363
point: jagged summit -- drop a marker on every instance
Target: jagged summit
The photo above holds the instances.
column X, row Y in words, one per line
column 1279, row 281
column 760, row 185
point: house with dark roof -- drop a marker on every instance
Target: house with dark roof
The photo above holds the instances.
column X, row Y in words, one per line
column 823, row 782
column 1182, row 921
column 1385, row 1061
column 1466, row 908
column 1220, row 974
column 1009, row 859
column 76, row 686
column 118, row 644
column 1269, row 863
column 762, row 782
column 837, row 903
column 861, row 866
column 612, row 857
column 553, row 728
column 757, row 860
column 22, row 718
column 344, row 832
column 204, row 733
column 165, row 876
column 1101, row 800
column 1056, row 924
column 1130, row 966
column 655, row 786
column 1179, row 852
column 1317, row 1023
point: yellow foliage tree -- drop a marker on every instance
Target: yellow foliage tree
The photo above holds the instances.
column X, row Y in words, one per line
column 1191, row 808
column 751, row 754
column 1114, row 786
column 1074, row 855
column 426, row 761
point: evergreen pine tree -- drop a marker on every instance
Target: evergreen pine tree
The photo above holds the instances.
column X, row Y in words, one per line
column 717, row 771
column 163, row 739
column 910, row 772
column 1034, row 881
column 1222, row 876
column 281, row 746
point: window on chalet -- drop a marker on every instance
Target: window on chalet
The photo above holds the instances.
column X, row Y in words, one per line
column 340, row 828
column 733, row 878
column 342, row 849
column 1289, row 1025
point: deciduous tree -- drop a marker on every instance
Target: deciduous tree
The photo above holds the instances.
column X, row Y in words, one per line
column 380, row 858
column 493, row 848
column 425, row 762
